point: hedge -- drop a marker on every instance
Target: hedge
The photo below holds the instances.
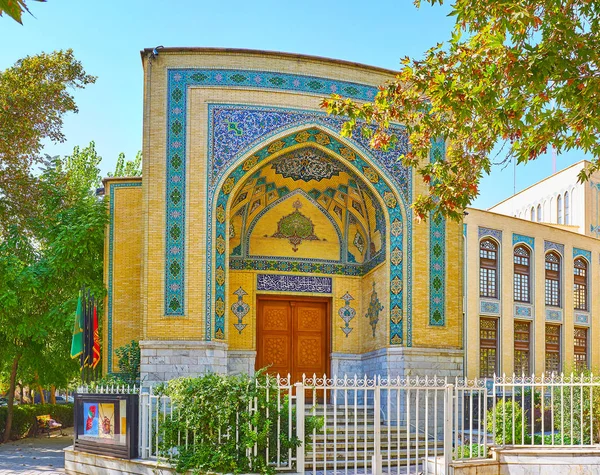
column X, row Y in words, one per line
column 24, row 421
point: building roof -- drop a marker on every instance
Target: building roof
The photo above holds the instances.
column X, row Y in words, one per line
column 538, row 182
column 274, row 54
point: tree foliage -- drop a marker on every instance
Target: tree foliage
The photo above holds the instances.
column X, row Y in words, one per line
column 523, row 74
column 128, row 167
column 35, row 94
column 15, row 8
column 43, row 263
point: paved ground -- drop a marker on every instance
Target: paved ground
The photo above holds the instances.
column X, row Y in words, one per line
column 35, row 456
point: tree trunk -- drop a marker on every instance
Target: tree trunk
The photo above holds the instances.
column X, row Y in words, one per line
column 11, row 396
column 53, row 394
column 42, row 395
column 21, row 392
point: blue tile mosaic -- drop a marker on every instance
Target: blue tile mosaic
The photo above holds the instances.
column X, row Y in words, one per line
column 489, row 307
column 582, row 318
column 496, row 234
column 553, row 315
column 553, row 246
column 583, row 253
column 520, row 239
column 437, row 254
column 523, row 311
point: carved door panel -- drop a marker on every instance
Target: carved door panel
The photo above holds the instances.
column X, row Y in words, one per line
column 274, row 336
column 292, row 337
column 310, row 339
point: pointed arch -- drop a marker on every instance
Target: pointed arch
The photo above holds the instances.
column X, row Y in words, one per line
column 390, row 200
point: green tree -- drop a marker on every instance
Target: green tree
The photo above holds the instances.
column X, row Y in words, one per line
column 520, row 74
column 129, row 167
column 15, row 8
column 43, row 263
column 35, row 94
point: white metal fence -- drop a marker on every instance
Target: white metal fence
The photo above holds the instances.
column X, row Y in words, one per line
column 402, row 425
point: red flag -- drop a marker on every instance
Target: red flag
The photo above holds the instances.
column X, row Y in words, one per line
column 96, row 351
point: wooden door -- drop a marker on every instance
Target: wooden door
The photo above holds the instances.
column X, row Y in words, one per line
column 292, row 336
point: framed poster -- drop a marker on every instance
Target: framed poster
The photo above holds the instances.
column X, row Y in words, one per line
column 107, row 424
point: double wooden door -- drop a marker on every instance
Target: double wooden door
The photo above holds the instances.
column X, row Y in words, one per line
column 292, row 336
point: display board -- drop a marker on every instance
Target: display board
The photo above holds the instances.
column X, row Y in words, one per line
column 107, row 424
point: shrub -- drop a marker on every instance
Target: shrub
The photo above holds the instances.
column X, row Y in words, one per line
column 509, row 419
column 471, row 451
column 24, row 422
column 208, row 410
column 129, row 362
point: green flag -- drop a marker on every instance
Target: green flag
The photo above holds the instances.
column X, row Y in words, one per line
column 77, row 341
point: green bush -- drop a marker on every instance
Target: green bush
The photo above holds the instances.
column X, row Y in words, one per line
column 471, row 451
column 24, row 422
column 208, row 410
column 508, row 414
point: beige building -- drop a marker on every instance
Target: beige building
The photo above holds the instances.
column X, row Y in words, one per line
column 530, row 292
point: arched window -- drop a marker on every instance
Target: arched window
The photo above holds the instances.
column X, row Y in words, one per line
column 553, row 279
column 522, row 274
column 567, row 213
column 581, row 283
column 532, row 214
column 559, row 210
column 488, row 268
column 539, row 213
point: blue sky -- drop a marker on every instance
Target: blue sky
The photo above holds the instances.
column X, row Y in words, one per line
column 107, row 37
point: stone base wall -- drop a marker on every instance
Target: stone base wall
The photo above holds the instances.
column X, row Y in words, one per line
column 241, row 361
column 163, row 360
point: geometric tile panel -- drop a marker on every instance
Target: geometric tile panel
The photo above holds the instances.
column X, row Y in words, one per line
column 553, row 315
column 523, row 311
column 497, row 235
column 519, row 238
column 489, row 307
column 437, row 254
column 548, row 245
column 583, row 253
column 583, row 318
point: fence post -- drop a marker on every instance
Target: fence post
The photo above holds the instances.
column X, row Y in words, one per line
column 300, row 407
column 448, row 406
column 143, row 422
column 377, row 463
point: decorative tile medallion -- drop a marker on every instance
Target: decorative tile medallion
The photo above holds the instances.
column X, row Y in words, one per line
column 240, row 309
column 496, row 234
column 582, row 318
column 490, row 307
column 346, row 313
column 359, row 242
column 233, row 131
column 520, row 239
column 111, row 234
column 437, row 255
column 582, row 253
column 374, row 309
column 553, row 315
column 523, row 311
column 293, row 283
column 553, row 246
column 296, row 227
column 306, row 164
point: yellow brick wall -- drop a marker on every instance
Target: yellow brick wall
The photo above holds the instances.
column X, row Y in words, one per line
column 509, row 225
column 191, row 326
column 127, row 260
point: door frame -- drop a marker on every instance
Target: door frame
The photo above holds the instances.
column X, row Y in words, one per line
column 301, row 298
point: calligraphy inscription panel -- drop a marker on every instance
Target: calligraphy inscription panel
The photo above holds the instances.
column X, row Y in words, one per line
column 294, row 283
